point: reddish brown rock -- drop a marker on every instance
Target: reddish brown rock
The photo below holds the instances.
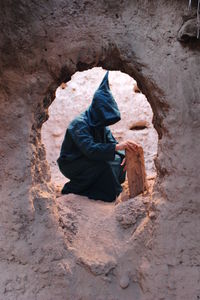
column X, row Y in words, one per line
column 136, row 172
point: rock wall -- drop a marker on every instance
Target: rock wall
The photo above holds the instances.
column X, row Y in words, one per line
column 44, row 44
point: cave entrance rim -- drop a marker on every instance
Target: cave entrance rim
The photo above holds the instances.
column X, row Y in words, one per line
column 113, row 61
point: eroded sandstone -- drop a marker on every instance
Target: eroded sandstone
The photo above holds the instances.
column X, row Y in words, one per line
column 43, row 45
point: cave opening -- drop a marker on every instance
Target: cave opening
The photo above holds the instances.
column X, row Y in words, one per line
column 74, row 97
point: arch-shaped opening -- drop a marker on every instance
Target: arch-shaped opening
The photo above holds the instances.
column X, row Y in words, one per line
column 110, row 59
column 75, row 96
column 82, row 221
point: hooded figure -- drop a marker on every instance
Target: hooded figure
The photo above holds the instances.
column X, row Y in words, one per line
column 88, row 156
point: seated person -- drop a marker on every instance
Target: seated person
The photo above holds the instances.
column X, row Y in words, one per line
column 90, row 156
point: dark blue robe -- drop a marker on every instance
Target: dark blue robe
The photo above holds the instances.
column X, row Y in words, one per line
column 88, row 157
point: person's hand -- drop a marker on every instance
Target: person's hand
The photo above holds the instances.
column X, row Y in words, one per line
column 127, row 145
column 123, row 164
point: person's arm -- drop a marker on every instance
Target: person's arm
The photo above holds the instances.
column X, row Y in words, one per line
column 127, row 145
column 109, row 137
column 83, row 139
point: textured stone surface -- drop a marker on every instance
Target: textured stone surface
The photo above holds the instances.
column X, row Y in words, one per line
column 130, row 214
column 188, row 30
column 42, row 45
column 136, row 172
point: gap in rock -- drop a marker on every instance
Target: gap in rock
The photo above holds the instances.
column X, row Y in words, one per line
column 75, row 96
column 139, row 125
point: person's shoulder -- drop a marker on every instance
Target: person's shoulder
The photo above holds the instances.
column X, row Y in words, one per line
column 79, row 121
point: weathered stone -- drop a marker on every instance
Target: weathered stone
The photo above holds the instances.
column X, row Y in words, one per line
column 130, row 213
column 97, row 268
column 43, row 44
column 136, row 172
column 188, row 30
column 124, row 281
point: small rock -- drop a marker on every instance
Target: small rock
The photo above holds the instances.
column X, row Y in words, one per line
column 96, row 267
column 136, row 88
column 124, row 281
column 130, row 213
column 63, row 85
column 152, row 215
column 188, row 31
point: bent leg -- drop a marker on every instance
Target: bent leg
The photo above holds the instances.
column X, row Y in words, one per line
column 83, row 174
column 119, row 173
column 94, row 179
column 83, row 182
column 108, row 186
column 105, row 187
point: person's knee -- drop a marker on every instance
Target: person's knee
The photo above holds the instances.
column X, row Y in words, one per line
column 62, row 167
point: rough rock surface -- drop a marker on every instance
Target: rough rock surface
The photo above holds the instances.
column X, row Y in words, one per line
column 42, row 44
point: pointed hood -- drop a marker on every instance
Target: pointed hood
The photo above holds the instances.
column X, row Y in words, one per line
column 104, row 110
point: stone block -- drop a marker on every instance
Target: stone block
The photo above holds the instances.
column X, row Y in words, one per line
column 136, row 172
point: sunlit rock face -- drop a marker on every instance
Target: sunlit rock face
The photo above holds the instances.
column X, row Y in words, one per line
column 74, row 97
column 71, row 247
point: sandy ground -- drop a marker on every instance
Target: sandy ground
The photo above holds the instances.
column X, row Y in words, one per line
column 100, row 237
